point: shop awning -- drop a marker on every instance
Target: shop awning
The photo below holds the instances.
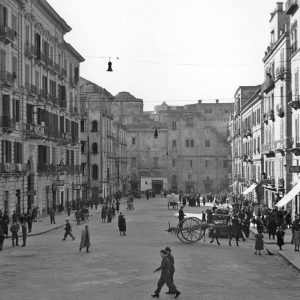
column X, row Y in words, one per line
column 289, row 196
column 249, row 189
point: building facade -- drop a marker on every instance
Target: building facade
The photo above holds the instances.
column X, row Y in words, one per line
column 103, row 143
column 40, row 150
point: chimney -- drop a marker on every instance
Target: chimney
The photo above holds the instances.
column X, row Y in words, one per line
column 199, row 101
column 217, row 101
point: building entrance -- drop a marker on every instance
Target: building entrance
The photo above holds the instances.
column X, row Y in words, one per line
column 157, row 186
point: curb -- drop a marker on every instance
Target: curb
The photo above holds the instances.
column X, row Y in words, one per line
column 289, row 261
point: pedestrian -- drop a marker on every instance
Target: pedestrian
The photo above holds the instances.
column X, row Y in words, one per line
column 14, row 216
column 122, row 224
column 234, row 230
column 29, row 222
column 215, row 232
column 272, row 226
column 203, row 200
column 203, row 217
column 24, row 233
column 103, row 214
column 69, row 209
column 280, row 237
column 14, row 229
column 181, row 216
column 68, row 231
column 2, row 238
column 109, row 215
column 172, row 267
column 165, row 276
column 52, row 216
column 117, row 205
column 85, row 239
column 5, row 223
column 296, row 233
column 259, row 243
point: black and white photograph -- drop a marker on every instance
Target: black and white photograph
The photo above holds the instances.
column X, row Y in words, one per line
column 149, row 149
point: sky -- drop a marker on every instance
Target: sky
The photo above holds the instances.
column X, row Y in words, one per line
column 178, row 51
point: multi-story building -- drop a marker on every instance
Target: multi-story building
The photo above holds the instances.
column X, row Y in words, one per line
column 197, row 145
column 276, row 114
column 102, row 143
column 147, row 145
column 292, row 199
column 242, row 133
column 40, row 161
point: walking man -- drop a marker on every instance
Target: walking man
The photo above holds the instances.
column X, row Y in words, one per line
column 122, row 224
column 85, row 239
column 172, row 268
column 14, row 229
column 29, row 222
column 24, row 233
column 52, row 216
column 68, row 231
column 180, row 216
column 165, row 276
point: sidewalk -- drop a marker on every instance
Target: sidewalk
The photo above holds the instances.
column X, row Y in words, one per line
column 292, row 257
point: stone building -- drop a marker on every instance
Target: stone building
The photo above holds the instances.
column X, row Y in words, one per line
column 103, row 143
column 197, row 145
column 147, row 145
column 40, row 150
column 276, row 113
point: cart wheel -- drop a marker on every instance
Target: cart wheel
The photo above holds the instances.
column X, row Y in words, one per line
column 190, row 230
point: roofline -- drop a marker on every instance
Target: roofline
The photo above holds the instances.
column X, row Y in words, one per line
column 71, row 49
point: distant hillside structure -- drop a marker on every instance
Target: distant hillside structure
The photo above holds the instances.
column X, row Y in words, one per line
column 183, row 148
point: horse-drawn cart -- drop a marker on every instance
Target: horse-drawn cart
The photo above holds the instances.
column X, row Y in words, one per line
column 173, row 201
column 192, row 229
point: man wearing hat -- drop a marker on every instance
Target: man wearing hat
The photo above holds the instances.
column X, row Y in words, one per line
column 165, row 276
column 172, row 268
column 68, row 231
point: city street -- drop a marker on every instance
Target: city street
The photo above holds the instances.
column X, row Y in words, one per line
column 122, row 267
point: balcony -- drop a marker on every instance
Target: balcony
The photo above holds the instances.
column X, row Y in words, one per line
column 271, row 115
column 31, row 89
column 63, row 72
column 268, row 181
column 268, row 84
column 10, row 168
column 8, row 78
column 281, row 73
column 7, row 34
column 34, row 131
column 291, row 7
column 53, row 99
column 283, row 144
column 8, row 124
column 43, row 94
column 30, row 51
column 295, row 103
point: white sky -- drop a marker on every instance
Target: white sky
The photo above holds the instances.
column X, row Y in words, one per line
column 176, row 51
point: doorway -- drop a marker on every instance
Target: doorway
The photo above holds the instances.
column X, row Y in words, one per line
column 157, row 186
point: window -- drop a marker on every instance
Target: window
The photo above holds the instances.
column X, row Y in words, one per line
column 258, row 116
column 133, row 141
column 191, row 163
column 174, row 125
column 94, row 126
column 133, row 161
column 173, row 143
column 190, row 177
column 18, row 153
column 95, row 148
column 15, row 66
column 206, row 163
column 187, row 143
column 6, row 151
column 14, row 22
column 155, row 162
column 94, row 172
column 207, row 143
column 2, row 60
column 192, row 143
column 174, row 179
column 82, row 125
column 83, row 147
column 190, row 122
column 173, row 162
column 3, row 15
column 225, row 164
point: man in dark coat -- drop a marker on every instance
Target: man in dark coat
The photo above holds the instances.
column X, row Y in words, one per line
column 172, row 268
column 68, row 231
column 165, row 276
column 181, row 216
column 29, row 222
column 52, row 216
column 24, row 233
column 272, row 227
column 5, row 223
column 14, row 229
column 215, row 235
column 122, row 224
column 234, row 230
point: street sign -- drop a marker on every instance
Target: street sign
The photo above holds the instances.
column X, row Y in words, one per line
column 294, row 169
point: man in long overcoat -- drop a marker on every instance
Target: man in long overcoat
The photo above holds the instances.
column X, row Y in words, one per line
column 165, row 276
column 122, row 224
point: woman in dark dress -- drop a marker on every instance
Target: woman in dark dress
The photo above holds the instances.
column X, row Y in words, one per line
column 280, row 235
column 122, row 224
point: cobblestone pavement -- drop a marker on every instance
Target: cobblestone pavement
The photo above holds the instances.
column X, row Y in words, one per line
column 121, row 267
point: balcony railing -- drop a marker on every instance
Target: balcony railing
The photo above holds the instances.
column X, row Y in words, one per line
column 34, row 131
column 280, row 72
column 268, row 84
column 7, row 34
column 11, row 168
column 30, row 51
column 291, row 7
column 8, row 78
column 295, row 103
column 283, row 144
column 8, row 124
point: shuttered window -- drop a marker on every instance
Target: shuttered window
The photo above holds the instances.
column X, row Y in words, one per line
column 3, row 15
column 18, row 153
